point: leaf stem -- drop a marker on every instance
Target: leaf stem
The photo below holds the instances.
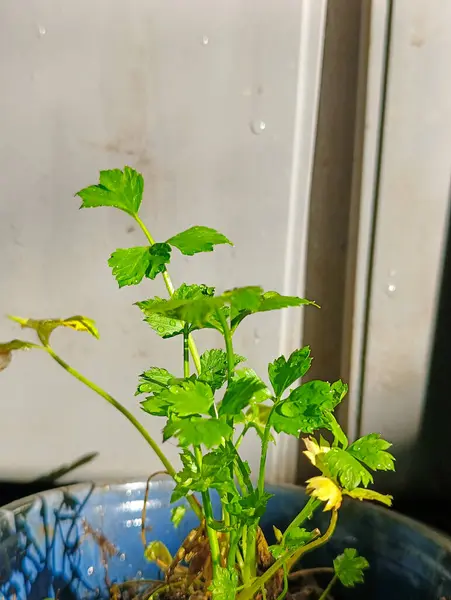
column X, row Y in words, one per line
column 250, row 560
column 208, row 512
column 185, row 352
column 170, row 289
column 127, row 414
column 283, row 593
column 329, row 587
column 289, row 559
column 308, row 510
column 228, row 344
column 264, row 454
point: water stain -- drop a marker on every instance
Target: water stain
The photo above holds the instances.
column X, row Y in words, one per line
column 417, row 40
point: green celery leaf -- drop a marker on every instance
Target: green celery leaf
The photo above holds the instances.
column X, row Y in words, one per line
column 45, row 327
column 349, row 567
column 161, row 321
column 215, row 473
column 307, row 408
column 256, row 417
column 283, row 372
column 130, row 265
column 199, row 310
column 343, row 466
column 196, row 431
column 244, row 389
column 166, row 327
column 121, row 189
column 250, row 506
column 198, row 239
column 160, row 256
column 339, row 391
column 187, row 398
column 177, row 514
column 268, row 301
column 371, row 450
column 298, row 537
column 277, row 551
column 154, row 405
column 214, row 367
column 275, row 301
column 153, row 381
column 337, row 431
column 371, row 495
column 190, row 292
column 225, row 584
column 16, row 345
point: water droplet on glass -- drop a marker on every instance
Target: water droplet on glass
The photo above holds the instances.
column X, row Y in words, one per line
column 90, row 570
column 205, row 40
column 42, row 30
column 128, row 523
column 391, row 289
column 139, row 574
column 128, row 493
column 256, row 338
column 258, row 127
column 122, row 557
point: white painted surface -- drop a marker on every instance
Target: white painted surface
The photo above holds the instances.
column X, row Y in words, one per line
column 178, row 91
column 411, row 221
column 379, row 24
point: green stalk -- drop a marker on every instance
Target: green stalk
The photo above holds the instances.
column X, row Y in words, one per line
column 170, row 288
column 127, row 414
column 264, row 454
column 250, row 559
column 228, row 344
column 240, row 470
column 283, row 593
column 208, row 512
column 185, row 352
column 329, row 587
column 240, row 560
column 289, row 560
column 233, row 547
column 306, row 513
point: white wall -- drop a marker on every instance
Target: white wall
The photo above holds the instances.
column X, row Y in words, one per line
column 176, row 90
column 404, row 205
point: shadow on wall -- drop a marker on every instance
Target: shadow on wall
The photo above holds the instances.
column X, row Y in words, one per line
column 429, row 480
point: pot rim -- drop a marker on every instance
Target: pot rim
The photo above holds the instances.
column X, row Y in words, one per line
column 124, row 484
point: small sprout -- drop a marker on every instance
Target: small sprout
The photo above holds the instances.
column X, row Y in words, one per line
column 177, row 514
column 349, row 567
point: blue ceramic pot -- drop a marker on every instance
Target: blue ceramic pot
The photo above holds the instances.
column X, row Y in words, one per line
column 45, row 549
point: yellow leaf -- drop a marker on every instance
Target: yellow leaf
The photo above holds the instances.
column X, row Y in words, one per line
column 44, row 327
column 313, row 449
column 157, row 552
column 5, row 359
column 7, row 348
column 362, row 494
column 325, row 490
column 278, row 534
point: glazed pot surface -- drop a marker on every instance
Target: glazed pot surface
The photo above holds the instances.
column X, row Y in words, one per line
column 49, row 543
